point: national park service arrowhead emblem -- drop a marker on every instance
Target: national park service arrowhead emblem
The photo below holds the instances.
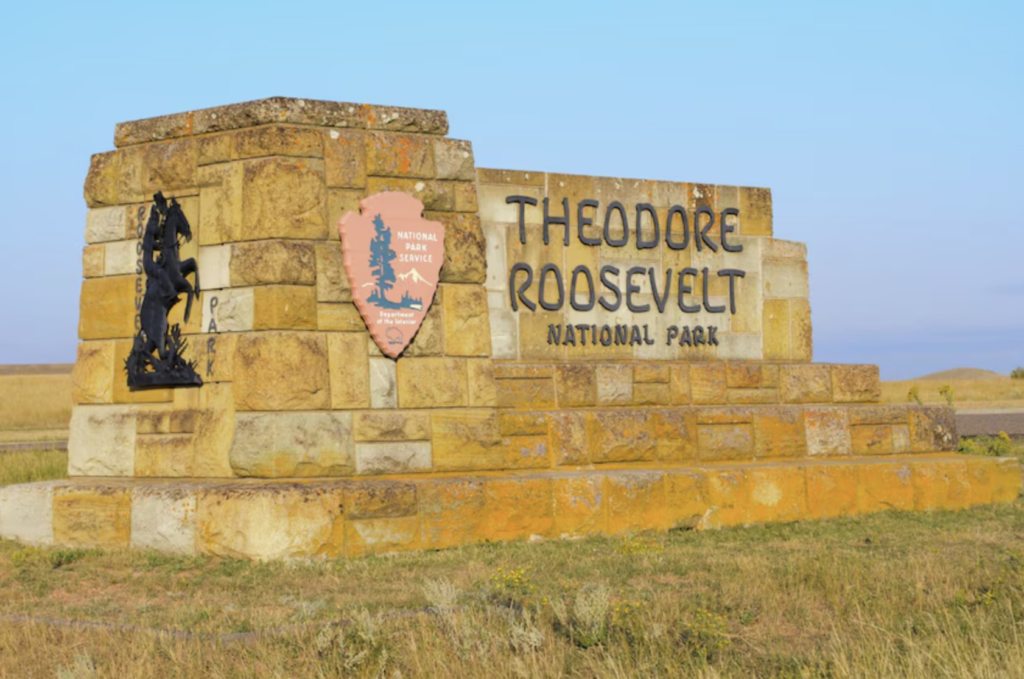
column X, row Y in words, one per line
column 393, row 260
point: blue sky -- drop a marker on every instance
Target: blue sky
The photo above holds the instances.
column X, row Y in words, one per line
column 890, row 133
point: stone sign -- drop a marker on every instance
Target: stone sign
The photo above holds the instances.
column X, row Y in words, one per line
column 600, row 355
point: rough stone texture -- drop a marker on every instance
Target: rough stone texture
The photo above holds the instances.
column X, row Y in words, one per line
column 516, row 509
column 105, row 224
column 229, row 310
column 464, row 247
column 294, row 444
column 92, row 260
column 339, row 317
column 101, row 441
column 827, row 431
column 432, row 382
column 345, row 159
column 271, row 522
column 277, row 140
column 281, row 371
column 164, row 519
column 405, row 425
column 806, row 384
column 349, row 370
column 267, row 262
column 467, row 328
column 84, row 517
column 392, row 457
column 467, row 439
column 26, row 512
column 331, row 281
column 453, row 159
column 526, row 394
column 483, row 389
column 107, row 308
column 94, row 373
column 708, row 383
column 283, row 198
column 785, row 278
column 576, row 385
column 400, row 155
column 164, row 455
column 383, row 383
column 284, row 307
column 614, row 384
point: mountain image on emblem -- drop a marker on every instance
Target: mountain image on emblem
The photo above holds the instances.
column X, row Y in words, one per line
column 417, row 277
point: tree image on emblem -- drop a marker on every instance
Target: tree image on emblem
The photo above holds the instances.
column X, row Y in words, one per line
column 381, row 256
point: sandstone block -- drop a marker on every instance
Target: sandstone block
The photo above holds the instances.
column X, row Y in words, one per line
column 884, row 487
column 399, row 425
column 651, row 372
column 229, row 310
column 92, row 260
column 380, row 499
column 831, row 490
column 806, row 384
column 803, row 343
column 400, row 155
column 675, row 433
column 453, row 159
column 533, row 394
column 276, row 521
column 621, row 435
column 450, row 510
column 827, row 432
column 94, row 373
column 221, row 204
column 331, row 281
column 169, row 166
column 777, row 493
column 164, row 455
column 281, row 371
column 871, row 439
column 516, row 509
column 214, row 431
column 432, row 383
column 684, row 498
column 268, row 262
column 163, row 518
column 435, row 195
column 636, row 501
column 725, row 441
column 569, row 432
column 649, row 394
column 728, row 496
column 106, row 224
column 345, row 159
column 393, row 457
column 107, row 307
column 466, row 439
column 284, row 198
column 339, row 317
column 679, row 384
column 383, row 383
column 292, row 444
column 430, row 338
column 216, row 148
column 533, row 336
column 755, row 211
column 932, row 429
column 579, row 505
column 708, row 383
column 753, row 396
column 465, row 259
column 26, row 512
column 483, row 389
column 278, row 140
column 91, row 517
column 777, row 338
column 779, row 432
column 284, row 307
column 514, row 423
column 101, row 441
column 614, row 384
column 381, row 536
column 103, row 179
column 1006, row 480
column 466, row 323
column 215, row 266
column 785, row 278
column 940, row 485
column 465, row 197
column 576, row 385
column 517, row 177
column 349, row 370
column 856, row 384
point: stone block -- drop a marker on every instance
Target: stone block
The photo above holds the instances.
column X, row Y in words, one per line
column 878, row 414
column 856, row 384
column 214, row 431
column 380, row 499
column 932, row 429
column 635, row 501
column 467, row 328
column 753, row 396
column 755, row 211
column 939, row 485
column 453, row 159
column 827, row 432
column 831, row 490
column 803, row 342
column 779, row 432
column 393, row 457
column 432, row 383
column 777, row 338
column 284, row 307
column 785, row 278
column 516, row 509
column 578, row 505
column 215, row 266
column 229, row 310
column 339, row 317
column 569, row 432
column 349, row 370
column 494, row 208
column 435, row 195
column 514, row 423
column 576, row 385
column 516, row 177
column 278, row 140
column 1006, row 480
column 94, row 373
column 163, row 518
column 292, row 444
column 531, row 394
column 533, row 336
column 725, row 441
column 283, row 198
column 708, row 383
column 466, row 439
column 269, row 262
column 614, row 384
column 651, row 372
column 684, row 498
column 621, row 435
column 400, row 155
column 164, row 455
column 220, row 203
column 92, row 260
column 91, row 517
column 777, row 494
column 483, row 389
column 345, row 159
column 169, row 166
column 743, row 375
column 465, row 197
column 526, row 452
column 728, row 497
column 675, row 434
column 381, row 536
column 271, row 521
column 383, row 383
column 106, row 224
column 884, row 486
column 451, row 509
column 871, row 439
column 331, row 281
column 26, row 512
column 679, row 384
column 107, row 307
column 465, row 259
column 398, row 425
column 430, row 338
column 103, row 179
column 282, row 371
column 101, row 441
column 806, row 384
column 649, row 394
column 216, row 148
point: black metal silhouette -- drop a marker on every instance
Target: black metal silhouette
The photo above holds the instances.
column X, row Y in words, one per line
column 165, row 280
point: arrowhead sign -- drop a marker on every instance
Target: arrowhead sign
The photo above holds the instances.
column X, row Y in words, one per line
column 393, row 260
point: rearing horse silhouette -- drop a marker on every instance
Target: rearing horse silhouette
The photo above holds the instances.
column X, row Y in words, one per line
column 165, row 275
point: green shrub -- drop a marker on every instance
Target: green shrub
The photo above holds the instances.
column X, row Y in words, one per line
column 946, row 392
column 1017, row 374
column 914, row 396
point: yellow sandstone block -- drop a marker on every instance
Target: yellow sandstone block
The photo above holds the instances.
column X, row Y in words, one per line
column 107, row 307
column 728, row 496
column 636, row 501
column 526, row 394
column 684, row 498
column 350, row 370
column 516, row 509
column 777, row 339
column 164, row 455
column 450, row 511
column 284, row 198
column 777, row 494
column 122, row 393
column 467, row 326
column 579, row 505
column 576, row 385
column 483, row 388
column 466, row 439
column 708, row 383
column 339, row 317
column 94, row 373
column 94, row 517
column 93, row 260
column 382, row 536
column 282, row 371
column 392, row 425
column 284, row 307
column 432, row 382
column 884, row 487
column 831, row 490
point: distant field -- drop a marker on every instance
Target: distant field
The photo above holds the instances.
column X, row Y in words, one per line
column 35, row 401
column 37, row 369
column 964, row 374
column 995, row 391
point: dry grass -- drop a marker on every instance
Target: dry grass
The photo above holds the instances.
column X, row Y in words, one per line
column 967, row 394
column 889, row 595
column 31, row 402
column 28, row 466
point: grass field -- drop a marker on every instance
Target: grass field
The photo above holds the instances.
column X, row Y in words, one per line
column 1001, row 392
column 889, row 595
column 34, row 402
